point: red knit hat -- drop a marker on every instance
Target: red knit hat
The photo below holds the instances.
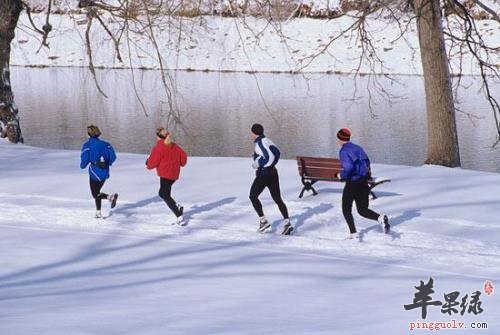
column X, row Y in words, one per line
column 344, row 134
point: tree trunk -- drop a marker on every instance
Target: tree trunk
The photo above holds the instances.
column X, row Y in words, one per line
column 442, row 140
column 9, row 119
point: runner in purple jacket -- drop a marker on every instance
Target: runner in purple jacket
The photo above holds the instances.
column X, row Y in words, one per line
column 356, row 173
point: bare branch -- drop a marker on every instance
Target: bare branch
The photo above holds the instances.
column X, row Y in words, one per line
column 89, row 52
column 116, row 41
column 493, row 14
column 46, row 28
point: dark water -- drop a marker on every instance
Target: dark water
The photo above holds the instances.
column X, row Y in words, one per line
column 300, row 114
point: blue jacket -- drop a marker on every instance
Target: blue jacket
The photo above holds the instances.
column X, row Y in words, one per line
column 355, row 162
column 93, row 152
column 266, row 155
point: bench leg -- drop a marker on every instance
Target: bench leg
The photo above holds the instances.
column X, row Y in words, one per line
column 314, row 191
column 307, row 187
column 372, row 186
column 302, row 192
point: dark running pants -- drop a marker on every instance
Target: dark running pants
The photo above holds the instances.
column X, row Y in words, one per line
column 359, row 192
column 164, row 193
column 271, row 181
column 95, row 189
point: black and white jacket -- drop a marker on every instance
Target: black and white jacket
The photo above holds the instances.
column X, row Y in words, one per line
column 266, row 155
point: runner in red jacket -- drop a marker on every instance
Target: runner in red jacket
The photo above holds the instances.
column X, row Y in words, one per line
column 168, row 158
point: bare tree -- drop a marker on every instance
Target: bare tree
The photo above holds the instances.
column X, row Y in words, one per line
column 434, row 34
column 9, row 119
column 438, row 36
column 442, row 139
column 119, row 19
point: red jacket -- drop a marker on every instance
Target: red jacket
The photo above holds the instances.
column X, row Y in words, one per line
column 167, row 159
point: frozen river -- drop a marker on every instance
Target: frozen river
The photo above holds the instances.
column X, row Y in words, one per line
column 300, row 113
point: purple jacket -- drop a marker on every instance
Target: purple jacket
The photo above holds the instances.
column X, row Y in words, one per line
column 355, row 162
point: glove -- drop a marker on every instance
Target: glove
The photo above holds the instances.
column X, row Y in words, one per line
column 255, row 165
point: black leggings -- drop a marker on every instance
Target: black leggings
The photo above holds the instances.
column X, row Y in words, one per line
column 357, row 191
column 95, row 189
column 164, row 193
column 271, row 181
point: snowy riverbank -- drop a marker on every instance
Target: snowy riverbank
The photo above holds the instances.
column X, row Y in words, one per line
column 210, row 43
column 64, row 270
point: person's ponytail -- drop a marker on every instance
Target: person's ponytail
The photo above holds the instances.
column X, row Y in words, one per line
column 168, row 139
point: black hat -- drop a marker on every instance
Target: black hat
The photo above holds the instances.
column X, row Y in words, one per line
column 257, row 129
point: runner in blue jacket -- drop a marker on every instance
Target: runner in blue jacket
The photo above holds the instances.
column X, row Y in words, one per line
column 99, row 155
column 356, row 172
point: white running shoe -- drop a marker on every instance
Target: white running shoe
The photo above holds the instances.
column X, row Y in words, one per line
column 113, row 198
column 181, row 221
column 352, row 236
column 287, row 228
column 263, row 224
column 384, row 222
column 181, row 209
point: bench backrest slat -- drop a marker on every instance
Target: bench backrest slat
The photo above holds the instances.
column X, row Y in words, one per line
column 318, row 159
column 319, row 168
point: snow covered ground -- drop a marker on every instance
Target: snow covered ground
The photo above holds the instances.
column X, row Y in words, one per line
column 64, row 272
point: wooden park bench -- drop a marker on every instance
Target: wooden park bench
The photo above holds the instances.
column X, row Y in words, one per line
column 314, row 169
